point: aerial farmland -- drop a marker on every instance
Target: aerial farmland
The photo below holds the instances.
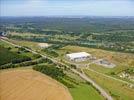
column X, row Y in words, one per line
column 66, row 50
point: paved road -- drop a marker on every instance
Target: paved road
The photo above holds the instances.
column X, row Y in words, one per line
column 110, row 77
column 88, row 68
column 102, row 91
column 82, row 75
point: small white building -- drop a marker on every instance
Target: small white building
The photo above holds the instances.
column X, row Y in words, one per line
column 80, row 56
column 43, row 45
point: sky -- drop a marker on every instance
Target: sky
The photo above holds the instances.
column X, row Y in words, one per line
column 66, row 7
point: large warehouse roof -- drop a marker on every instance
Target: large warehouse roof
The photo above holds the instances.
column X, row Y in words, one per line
column 78, row 55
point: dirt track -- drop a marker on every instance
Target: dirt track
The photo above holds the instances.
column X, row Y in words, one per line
column 30, row 85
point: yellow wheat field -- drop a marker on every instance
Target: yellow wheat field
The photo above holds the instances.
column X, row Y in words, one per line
column 30, row 85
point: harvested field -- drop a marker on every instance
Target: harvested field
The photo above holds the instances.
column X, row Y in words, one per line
column 21, row 84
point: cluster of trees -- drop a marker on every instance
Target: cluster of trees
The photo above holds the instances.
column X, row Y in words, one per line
column 36, row 56
column 8, row 56
column 22, row 59
column 51, row 71
column 115, row 37
column 99, row 41
column 56, row 73
column 26, row 63
column 107, row 31
column 66, row 25
column 130, row 71
column 51, row 52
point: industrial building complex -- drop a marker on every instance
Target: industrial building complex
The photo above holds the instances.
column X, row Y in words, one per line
column 80, row 56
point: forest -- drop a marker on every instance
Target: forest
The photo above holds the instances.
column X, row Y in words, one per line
column 110, row 33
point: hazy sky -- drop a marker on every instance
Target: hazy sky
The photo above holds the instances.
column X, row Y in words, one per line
column 67, row 7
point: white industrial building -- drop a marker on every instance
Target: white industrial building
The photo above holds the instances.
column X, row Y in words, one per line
column 80, row 56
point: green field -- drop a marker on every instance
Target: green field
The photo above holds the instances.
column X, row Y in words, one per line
column 35, row 46
column 116, row 89
column 122, row 60
column 79, row 89
column 85, row 92
column 108, row 38
column 105, row 33
column 7, row 56
column 28, row 44
column 9, row 53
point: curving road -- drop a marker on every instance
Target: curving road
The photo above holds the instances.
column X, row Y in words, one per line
column 82, row 75
column 101, row 90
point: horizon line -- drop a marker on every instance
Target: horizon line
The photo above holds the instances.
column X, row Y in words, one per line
column 73, row 16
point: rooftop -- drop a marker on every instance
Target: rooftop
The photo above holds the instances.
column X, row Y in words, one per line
column 78, row 55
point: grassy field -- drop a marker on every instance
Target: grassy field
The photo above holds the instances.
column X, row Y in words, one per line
column 78, row 88
column 9, row 53
column 56, row 36
column 35, row 82
column 85, row 92
column 122, row 60
column 7, row 56
column 26, row 84
column 35, row 46
column 29, row 44
column 118, row 90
